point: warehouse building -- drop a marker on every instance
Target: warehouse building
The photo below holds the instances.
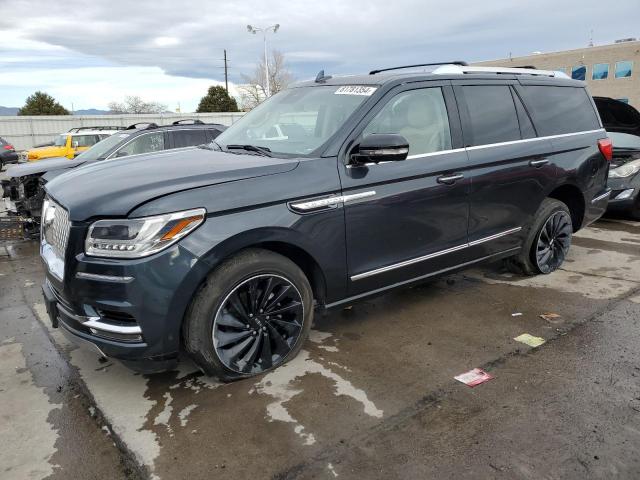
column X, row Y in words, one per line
column 610, row 70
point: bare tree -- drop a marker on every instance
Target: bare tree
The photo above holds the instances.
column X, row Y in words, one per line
column 254, row 89
column 134, row 104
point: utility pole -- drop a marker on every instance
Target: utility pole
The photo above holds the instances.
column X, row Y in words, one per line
column 226, row 78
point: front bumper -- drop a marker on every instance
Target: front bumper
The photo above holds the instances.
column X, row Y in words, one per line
column 624, row 194
column 130, row 310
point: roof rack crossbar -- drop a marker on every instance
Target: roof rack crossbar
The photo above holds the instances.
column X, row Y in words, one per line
column 456, row 62
column 457, row 69
column 97, row 127
column 188, row 121
column 148, row 125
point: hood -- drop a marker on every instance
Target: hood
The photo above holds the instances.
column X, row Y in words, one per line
column 115, row 187
column 46, row 152
column 618, row 116
column 48, row 165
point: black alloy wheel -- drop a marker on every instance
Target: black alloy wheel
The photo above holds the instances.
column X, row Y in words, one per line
column 553, row 242
column 258, row 324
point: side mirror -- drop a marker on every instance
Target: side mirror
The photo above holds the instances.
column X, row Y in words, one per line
column 75, row 144
column 381, row 147
column 121, row 153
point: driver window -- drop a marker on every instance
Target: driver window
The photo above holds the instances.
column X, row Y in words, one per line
column 149, row 142
column 420, row 116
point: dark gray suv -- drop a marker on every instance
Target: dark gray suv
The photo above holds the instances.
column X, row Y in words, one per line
column 329, row 192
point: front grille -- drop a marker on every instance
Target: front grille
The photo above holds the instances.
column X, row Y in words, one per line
column 55, row 227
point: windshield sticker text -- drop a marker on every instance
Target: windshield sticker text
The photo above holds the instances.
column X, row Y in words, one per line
column 355, row 90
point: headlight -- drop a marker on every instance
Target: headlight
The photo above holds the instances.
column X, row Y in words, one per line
column 625, row 170
column 139, row 237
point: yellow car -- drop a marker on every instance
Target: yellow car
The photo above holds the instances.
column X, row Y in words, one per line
column 71, row 143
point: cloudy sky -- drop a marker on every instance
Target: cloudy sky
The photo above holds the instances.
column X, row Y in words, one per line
column 92, row 52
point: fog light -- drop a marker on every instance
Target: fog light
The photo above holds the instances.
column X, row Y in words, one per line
column 623, row 195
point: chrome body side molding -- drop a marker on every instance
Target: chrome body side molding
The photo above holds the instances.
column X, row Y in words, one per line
column 329, row 202
column 422, row 258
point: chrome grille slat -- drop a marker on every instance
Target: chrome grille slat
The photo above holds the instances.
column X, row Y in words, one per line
column 57, row 234
column 54, row 230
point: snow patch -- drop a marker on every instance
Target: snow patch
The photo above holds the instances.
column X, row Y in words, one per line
column 279, row 385
column 184, row 414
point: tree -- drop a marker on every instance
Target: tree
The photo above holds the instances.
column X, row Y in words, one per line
column 255, row 89
column 41, row 103
column 134, row 104
column 217, row 100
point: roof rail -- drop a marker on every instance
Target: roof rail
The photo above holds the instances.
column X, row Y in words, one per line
column 456, row 62
column 136, row 125
column 453, row 69
column 193, row 121
column 97, row 127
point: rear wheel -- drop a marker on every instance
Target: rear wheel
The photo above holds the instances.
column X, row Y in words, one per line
column 548, row 240
column 251, row 316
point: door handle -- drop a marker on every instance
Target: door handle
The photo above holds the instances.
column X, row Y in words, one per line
column 450, row 179
column 538, row 163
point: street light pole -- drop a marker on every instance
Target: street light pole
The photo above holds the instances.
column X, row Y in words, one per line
column 266, row 63
column 264, row 31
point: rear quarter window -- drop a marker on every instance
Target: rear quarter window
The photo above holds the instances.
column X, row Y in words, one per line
column 558, row 110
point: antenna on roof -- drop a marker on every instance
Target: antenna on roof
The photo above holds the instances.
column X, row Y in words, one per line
column 321, row 78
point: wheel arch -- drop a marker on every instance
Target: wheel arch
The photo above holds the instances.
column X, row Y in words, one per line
column 282, row 241
column 573, row 198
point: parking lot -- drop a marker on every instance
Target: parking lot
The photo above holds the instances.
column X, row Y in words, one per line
column 372, row 394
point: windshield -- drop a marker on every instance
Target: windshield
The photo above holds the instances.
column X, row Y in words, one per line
column 60, row 141
column 296, row 121
column 102, row 148
column 624, row 140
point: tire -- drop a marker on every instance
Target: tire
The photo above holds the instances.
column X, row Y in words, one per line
column 551, row 226
column 233, row 330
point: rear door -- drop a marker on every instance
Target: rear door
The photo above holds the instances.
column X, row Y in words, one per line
column 406, row 219
column 509, row 165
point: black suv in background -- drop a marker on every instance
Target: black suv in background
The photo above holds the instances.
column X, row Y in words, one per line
column 24, row 186
column 328, row 192
column 7, row 153
column 622, row 123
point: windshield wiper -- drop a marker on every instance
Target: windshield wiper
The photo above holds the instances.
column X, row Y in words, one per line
column 252, row 148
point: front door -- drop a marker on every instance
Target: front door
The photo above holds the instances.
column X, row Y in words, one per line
column 406, row 219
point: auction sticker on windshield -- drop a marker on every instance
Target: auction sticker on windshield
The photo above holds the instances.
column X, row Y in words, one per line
column 355, row 90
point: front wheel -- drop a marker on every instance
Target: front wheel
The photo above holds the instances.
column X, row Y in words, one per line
column 548, row 240
column 252, row 315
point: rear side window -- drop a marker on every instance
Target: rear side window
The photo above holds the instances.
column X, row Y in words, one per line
column 492, row 114
column 558, row 110
column 526, row 127
column 85, row 140
column 188, row 138
column 211, row 134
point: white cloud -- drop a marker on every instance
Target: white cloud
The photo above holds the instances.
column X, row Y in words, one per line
column 95, row 87
column 176, row 41
column 166, row 41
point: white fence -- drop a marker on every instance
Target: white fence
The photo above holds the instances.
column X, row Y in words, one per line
column 25, row 132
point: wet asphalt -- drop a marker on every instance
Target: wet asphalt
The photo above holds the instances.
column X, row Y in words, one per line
column 372, row 394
